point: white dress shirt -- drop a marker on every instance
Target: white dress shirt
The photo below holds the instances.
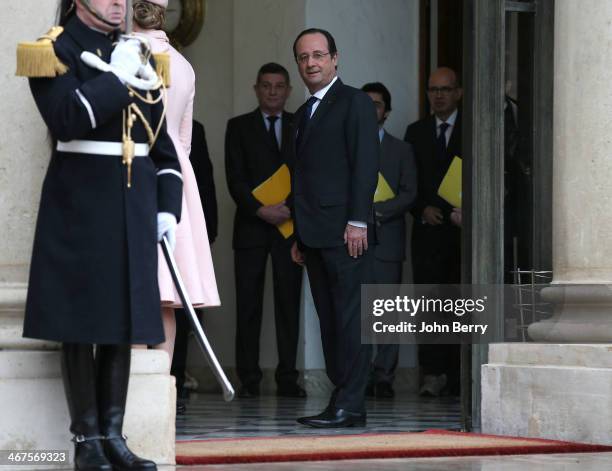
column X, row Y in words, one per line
column 451, row 125
column 278, row 126
column 320, row 94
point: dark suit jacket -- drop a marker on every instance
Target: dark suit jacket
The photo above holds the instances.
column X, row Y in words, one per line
column 398, row 167
column 422, row 136
column 250, row 159
column 203, row 170
column 336, row 168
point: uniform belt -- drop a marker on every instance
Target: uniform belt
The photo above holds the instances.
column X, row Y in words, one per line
column 100, row 148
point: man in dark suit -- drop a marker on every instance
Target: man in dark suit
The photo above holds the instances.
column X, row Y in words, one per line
column 398, row 168
column 334, row 179
column 436, row 241
column 256, row 145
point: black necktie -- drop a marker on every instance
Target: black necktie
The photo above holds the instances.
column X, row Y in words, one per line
column 441, row 142
column 272, row 130
column 305, row 119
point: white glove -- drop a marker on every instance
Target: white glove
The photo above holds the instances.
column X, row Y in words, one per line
column 127, row 57
column 166, row 225
column 147, row 72
column 150, row 81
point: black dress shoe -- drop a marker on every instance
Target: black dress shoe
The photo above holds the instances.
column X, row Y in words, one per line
column 384, row 391
column 246, row 392
column 322, row 416
column 290, row 391
column 335, row 418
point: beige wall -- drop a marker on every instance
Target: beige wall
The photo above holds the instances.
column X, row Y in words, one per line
column 24, row 151
column 377, row 41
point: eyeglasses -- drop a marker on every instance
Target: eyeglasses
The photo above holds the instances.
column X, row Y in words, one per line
column 317, row 56
column 442, row 90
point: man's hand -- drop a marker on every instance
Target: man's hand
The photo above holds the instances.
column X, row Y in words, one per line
column 127, row 57
column 356, row 240
column 456, row 217
column 274, row 214
column 432, row 215
column 296, row 255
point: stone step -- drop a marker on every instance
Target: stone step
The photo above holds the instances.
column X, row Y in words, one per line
column 35, row 414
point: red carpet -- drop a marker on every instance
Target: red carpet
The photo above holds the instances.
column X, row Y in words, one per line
column 432, row 443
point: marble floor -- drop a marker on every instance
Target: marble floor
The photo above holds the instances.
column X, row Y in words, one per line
column 209, row 417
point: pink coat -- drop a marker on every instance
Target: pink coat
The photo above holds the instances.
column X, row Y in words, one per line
column 192, row 250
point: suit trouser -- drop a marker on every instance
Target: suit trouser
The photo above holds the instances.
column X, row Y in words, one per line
column 385, row 361
column 250, row 273
column 335, row 281
column 436, row 257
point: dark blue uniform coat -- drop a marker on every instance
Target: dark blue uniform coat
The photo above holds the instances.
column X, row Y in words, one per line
column 93, row 276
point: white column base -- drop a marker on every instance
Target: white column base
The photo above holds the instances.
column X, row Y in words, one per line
column 35, row 414
column 582, row 314
column 554, row 391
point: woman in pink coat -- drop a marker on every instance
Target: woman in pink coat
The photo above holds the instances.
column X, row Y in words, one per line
column 192, row 250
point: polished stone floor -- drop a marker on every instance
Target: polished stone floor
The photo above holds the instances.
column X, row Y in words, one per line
column 209, row 417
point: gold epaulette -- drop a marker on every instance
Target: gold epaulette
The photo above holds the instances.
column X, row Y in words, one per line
column 162, row 66
column 38, row 59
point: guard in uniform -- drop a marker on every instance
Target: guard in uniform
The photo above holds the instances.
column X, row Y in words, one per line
column 112, row 190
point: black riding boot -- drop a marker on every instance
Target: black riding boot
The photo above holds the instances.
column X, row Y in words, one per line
column 78, row 373
column 113, row 369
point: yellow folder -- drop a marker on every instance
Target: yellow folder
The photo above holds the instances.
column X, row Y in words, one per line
column 383, row 190
column 274, row 190
column 450, row 188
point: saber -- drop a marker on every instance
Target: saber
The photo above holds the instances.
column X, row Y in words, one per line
column 228, row 390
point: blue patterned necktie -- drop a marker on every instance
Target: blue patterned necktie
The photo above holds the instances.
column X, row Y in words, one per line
column 305, row 119
column 272, row 130
column 441, row 142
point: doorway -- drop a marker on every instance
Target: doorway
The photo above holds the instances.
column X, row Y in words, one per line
column 502, row 49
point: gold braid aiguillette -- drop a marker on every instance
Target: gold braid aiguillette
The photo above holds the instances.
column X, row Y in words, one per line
column 130, row 114
column 128, row 143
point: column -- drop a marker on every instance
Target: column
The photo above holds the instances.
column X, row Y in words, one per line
column 582, row 177
column 561, row 387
